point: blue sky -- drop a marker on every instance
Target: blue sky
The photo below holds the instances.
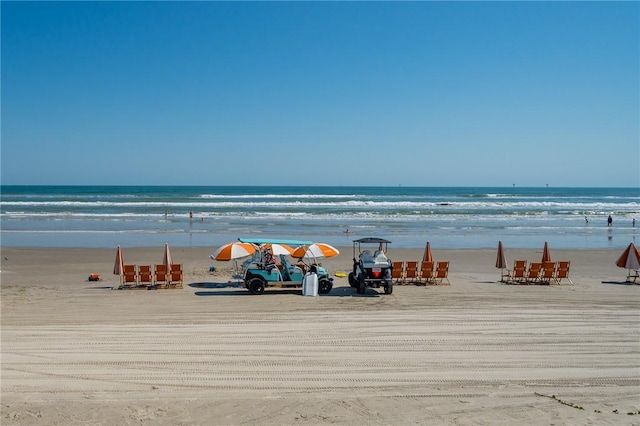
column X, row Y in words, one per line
column 322, row 93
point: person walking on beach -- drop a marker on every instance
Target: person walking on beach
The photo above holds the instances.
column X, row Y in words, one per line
column 609, row 221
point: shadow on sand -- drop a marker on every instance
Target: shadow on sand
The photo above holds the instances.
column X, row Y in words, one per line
column 620, row 282
column 237, row 289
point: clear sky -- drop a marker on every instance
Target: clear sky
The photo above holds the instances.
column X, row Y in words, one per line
column 322, row 93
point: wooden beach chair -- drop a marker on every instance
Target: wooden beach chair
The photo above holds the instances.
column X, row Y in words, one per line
column 442, row 273
column 426, row 272
column 397, row 273
column 129, row 276
column 175, row 276
column 548, row 272
column 411, row 272
column 562, row 272
column 533, row 273
column 519, row 269
column 160, row 276
column 145, row 278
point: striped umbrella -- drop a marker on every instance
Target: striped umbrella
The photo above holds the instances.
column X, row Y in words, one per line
column 315, row 250
column 630, row 258
column 234, row 250
column 118, row 268
column 278, row 249
column 166, row 259
column 428, row 257
column 546, row 254
column 501, row 260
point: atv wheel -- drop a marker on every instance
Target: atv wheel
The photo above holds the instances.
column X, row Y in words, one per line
column 388, row 287
column 256, row 286
column 324, row 286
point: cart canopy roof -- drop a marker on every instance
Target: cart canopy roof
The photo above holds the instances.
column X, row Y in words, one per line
column 260, row 241
column 371, row 240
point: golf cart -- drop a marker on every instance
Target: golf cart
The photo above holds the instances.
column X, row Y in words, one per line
column 371, row 269
column 264, row 271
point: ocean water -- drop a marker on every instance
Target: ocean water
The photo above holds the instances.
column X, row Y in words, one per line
column 450, row 218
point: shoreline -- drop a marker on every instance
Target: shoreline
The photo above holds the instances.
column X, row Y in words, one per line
column 591, row 264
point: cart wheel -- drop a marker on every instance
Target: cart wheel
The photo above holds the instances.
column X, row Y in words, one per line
column 362, row 286
column 325, row 286
column 352, row 280
column 256, row 286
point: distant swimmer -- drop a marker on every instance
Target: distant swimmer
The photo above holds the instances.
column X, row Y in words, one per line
column 586, row 220
column 346, row 231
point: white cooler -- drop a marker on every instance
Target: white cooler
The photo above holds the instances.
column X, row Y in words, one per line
column 310, row 284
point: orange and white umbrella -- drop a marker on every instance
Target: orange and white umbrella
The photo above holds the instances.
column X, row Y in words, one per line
column 501, row 260
column 630, row 258
column 546, row 253
column 427, row 257
column 166, row 259
column 118, row 268
column 315, row 250
column 234, row 250
column 278, row 249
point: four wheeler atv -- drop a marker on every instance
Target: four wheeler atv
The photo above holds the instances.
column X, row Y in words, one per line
column 373, row 270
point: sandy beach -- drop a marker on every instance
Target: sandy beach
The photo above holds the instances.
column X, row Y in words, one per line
column 476, row 352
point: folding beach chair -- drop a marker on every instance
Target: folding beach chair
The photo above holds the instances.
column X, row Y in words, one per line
column 518, row 273
column 548, row 272
column 129, row 276
column 533, row 273
column 411, row 272
column 175, row 276
column 562, row 272
column 426, row 272
column 160, row 278
column 442, row 273
column 145, row 278
column 397, row 273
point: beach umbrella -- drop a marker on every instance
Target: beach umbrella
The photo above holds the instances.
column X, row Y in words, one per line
column 546, row 254
column 315, row 250
column 234, row 250
column 428, row 257
column 278, row 249
column 630, row 258
column 118, row 268
column 501, row 260
column 166, row 259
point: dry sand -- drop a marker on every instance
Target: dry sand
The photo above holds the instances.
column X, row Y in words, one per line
column 475, row 352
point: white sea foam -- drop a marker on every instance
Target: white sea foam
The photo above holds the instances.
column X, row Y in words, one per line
column 471, row 205
column 446, row 216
